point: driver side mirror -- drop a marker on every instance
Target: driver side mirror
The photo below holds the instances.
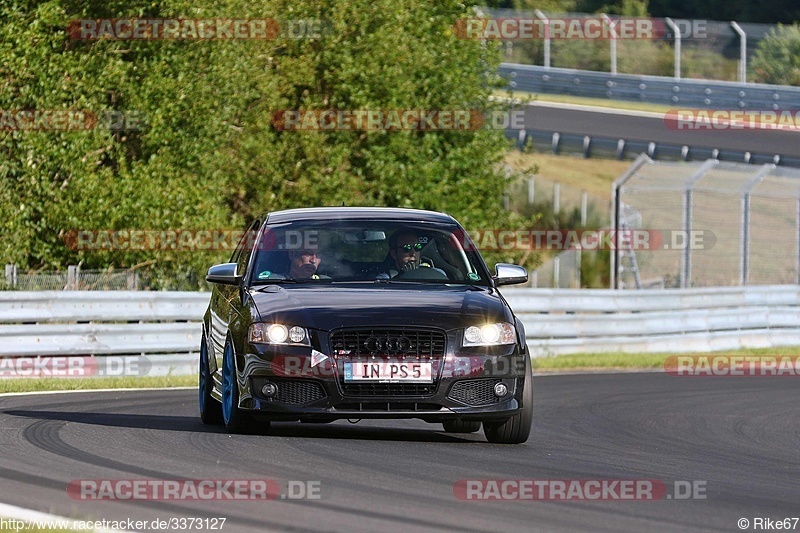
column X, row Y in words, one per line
column 224, row 274
column 508, row 274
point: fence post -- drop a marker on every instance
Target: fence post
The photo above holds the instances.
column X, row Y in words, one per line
column 584, row 208
column 797, row 243
column 613, row 27
column 677, row 31
column 556, row 197
column 742, row 51
column 744, row 235
column 11, row 275
column 556, row 272
column 72, row 278
column 578, row 253
column 686, row 267
column 531, row 190
column 546, row 23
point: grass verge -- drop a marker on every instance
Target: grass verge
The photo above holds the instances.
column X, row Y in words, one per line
column 582, row 100
column 52, row 384
column 639, row 361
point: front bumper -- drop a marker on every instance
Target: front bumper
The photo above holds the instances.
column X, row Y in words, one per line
column 310, row 389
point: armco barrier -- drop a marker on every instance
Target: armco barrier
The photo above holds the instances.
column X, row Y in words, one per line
column 163, row 326
column 166, row 326
column 707, row 94
column 559, row 321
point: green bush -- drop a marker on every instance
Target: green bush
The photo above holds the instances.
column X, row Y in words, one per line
column 777, row 58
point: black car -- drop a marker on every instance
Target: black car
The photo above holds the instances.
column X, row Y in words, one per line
column 355, row 313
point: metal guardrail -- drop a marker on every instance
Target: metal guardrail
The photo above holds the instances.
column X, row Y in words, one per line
column 609, row 147
column 160, row 331
column 677, row 320
column 156, row 333
column 682, row 93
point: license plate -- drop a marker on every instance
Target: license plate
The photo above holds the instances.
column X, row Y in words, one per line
column 396, row 372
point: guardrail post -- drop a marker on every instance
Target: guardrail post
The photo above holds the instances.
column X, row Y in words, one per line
column 677, row 31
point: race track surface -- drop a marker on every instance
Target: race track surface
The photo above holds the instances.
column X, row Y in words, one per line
column 618, row 125
column 738, row 435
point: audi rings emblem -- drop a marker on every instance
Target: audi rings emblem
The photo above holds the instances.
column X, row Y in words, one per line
column 388, row 345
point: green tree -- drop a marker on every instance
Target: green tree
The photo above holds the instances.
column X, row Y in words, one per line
column 777, row 58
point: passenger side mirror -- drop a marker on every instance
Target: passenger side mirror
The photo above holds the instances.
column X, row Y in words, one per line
column 224, row 274
column 508, row 274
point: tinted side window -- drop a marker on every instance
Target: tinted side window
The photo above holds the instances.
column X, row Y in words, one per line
column 241, row 254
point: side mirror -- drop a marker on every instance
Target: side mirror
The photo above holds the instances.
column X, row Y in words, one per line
column 224, row 274
column 507, row 274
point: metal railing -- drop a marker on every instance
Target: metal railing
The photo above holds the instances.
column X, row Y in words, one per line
column 156, row 332
column 657, row 321
column 163, row 329
column 653, row 89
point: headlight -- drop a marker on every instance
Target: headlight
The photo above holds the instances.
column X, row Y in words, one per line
column 278, row 334
column 490, row 335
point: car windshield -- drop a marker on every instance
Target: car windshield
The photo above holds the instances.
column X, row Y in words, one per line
column 366, row 250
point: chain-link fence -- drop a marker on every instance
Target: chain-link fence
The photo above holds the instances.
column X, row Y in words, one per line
column 705, row 49
column 73, row 279
column 710, row 224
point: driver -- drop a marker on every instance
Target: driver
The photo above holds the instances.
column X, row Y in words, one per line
column 405, row 250
column 304, row 264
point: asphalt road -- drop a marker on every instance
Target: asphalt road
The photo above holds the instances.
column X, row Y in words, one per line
column 651, row 127
column 738, row 435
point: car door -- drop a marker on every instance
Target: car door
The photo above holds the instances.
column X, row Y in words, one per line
column 228, row 310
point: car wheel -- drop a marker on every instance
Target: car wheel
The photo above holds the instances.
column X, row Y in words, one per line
column 516, row 429
column 461, row 426
column 210, row 409
column 232, row 416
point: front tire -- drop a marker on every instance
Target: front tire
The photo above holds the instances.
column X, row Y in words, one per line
column 461, row 426
column 232, row 416
column 210, row 409
column 516, row 429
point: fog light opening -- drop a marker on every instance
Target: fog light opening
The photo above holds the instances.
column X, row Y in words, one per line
column 270, row 390
column 500, row 389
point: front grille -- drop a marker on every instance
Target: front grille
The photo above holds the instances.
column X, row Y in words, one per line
column 293, row 391
column 388, row 344
column 474, row 391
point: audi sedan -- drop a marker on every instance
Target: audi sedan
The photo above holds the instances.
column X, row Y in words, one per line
column 363, row 313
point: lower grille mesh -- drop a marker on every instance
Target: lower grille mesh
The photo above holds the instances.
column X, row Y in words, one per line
column 474, row 391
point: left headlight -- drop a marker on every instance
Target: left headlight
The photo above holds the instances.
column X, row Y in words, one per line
column 490, row 335
column 278, row 334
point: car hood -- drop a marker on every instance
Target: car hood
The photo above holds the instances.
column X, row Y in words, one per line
column 329, row 307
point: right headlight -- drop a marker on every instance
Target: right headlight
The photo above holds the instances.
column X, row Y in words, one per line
column 490, row 335
column 277, row 334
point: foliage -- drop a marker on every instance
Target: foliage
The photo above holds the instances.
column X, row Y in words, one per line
column 209, row 157
column 777, row 58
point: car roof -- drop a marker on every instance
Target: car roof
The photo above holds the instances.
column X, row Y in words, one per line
column 353, row 213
